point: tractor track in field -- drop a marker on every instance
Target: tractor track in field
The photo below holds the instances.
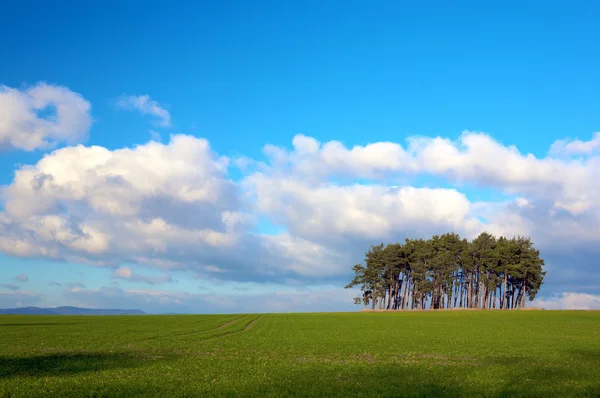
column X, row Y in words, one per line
column 247, row 328
column 223, row 326
column 196, row 331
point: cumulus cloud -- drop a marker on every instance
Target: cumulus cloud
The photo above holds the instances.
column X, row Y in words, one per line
column 10, row 286
column 553, row 199
column 21, row 278
column 476, row 158
column 336, row 214
column 576, row 146
column 174, row 206
column 41, row 117
column 156, row 193
column 146, row 106
column 570, row 301
column 127, row 274
column 167, row 205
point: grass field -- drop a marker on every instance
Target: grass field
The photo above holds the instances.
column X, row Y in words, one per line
column 450, row 353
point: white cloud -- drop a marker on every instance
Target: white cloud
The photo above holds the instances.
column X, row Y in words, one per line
column 127, row 274
column 42, row 116
column 146, row 106
column 311, row 159
column 475, row 159
column 336, row 214
column 79, row 198
column 175, row 206
column 569, row 301
column 169, row 205
column 555, row 200
column 576, row 147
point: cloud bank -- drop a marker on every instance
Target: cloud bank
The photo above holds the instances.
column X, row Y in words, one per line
column 570, row 301
column 303, row 213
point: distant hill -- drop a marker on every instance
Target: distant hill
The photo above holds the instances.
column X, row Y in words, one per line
column 67, row 311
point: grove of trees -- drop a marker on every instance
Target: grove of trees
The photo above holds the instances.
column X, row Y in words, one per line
column 449, row 272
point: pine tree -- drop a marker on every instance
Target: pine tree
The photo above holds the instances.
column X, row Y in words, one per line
column 446, row 271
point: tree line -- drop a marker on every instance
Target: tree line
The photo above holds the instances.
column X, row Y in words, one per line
column 446, row 271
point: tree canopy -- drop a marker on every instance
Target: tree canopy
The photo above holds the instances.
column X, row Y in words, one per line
column 446, row 271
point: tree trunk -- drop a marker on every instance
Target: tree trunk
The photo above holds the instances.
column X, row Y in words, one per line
column 455, row 296
column 512, row 299
column 462, row 289
column 404, row 293
column 434, row 293
column 505, row 291
column 396, row 293
column 477, row 293
column 392, row 294
column 519, row 299
column 401, row 289
column 445, row 297
column 468, row 303
column 524, row 299
column 373, row 298
column 484, row 296
column 481, row 299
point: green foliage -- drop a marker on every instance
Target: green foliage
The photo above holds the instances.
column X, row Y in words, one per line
column 390, row 354
column 449, row 272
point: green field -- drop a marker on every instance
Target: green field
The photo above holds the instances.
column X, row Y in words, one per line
column 450, row 353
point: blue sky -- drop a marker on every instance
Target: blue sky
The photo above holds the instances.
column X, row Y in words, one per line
column 243, row 75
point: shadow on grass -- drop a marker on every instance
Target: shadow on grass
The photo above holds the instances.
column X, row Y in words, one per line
column 495, row 377
column 36, row 324
column 70, row 364
column 503, row 376
column 524, row 376
column 375, row 381
column 592, row 356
